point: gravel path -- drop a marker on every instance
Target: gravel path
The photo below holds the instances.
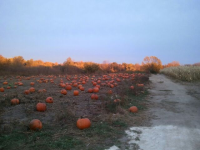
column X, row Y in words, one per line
column 176, row 125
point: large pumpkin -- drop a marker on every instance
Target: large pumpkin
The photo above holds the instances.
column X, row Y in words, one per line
column 15, row 101
column 35, row 124
column 49, row 100
column 83, row 123
column 41, row 106
column 133, row 109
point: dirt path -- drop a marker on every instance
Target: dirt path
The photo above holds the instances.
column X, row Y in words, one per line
column 176, row 122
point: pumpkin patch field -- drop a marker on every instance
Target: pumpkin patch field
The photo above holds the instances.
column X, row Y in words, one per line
column 71, row 111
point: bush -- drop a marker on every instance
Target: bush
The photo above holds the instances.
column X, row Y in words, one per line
column 152, row 64
column 91, row 67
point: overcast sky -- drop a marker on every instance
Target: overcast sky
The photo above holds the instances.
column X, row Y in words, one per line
column 98, row 30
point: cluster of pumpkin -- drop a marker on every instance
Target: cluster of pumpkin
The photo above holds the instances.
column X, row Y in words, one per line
column 82, row 123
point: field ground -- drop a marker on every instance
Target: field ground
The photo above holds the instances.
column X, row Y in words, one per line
column 175, row 122
column 109, row 119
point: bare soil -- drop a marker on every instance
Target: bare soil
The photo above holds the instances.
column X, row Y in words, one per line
column 109, row 119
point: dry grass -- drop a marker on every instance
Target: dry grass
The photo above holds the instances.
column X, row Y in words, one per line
column 184, row 73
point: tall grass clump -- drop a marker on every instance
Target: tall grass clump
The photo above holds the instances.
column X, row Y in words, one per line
column 184, row 73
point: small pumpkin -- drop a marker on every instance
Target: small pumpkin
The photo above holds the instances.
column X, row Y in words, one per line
column 94, row 96
column 76, row 92
column 63, row 91
column 32, row 83
column 82, row 88
column 35, row 124
column 140, row 85
column 90, row 90
column 110, row 92
column 26, row 92
column 95, row 89
column 75, row 84
column 5, row 83
column 111, row 85
column 32, row 90
column 41, row 106
column 83, row 123
column 49, row 100
column 20, row 83
column 133, row 109
column 94, row 83
column 117, row 100
column 68, row 87
column 15, row 101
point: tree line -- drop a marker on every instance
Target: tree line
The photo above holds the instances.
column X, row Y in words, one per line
column 17, row 65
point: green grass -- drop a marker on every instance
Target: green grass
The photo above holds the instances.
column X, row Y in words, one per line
column 37, row 140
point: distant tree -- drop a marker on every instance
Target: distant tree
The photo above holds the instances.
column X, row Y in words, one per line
column 172, row 64
column 152, row 64
column 91, row 67
column 137, row 67
column 196, row 64
column 69, row 61
column 18, row 61
column 29, row 63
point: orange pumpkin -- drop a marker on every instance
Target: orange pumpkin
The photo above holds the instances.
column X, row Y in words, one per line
column 133, row 109
column 63, row 91
column 110, row 92
column 111, row 85
column 90, row 90
column 68, row 87
column 1, row 89
column 140, row 85
column 20, row 83
column 41, row 106
column 35, row 124
column 15, row 101
column 26, row 92
column 49, row 100
column 98, row 86
column 117, row 100
column 94, row 83
column 75, row 84
column 32, row 89
column 82, row 88
column 76, row 92
column 94, row 96
column 95, row 89
column 32, row 83
column 5, row 83
column 83, row 123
